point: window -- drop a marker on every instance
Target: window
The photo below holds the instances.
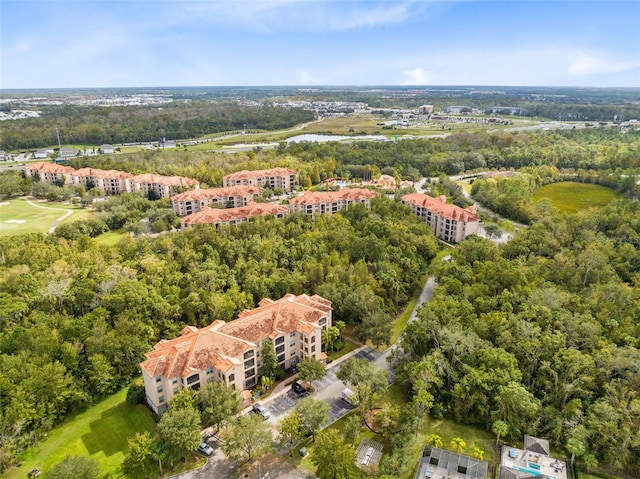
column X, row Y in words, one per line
column 313, row 349
column 249, row 363
column 292, row 353
column 313, row 339
column 175, row 381
column 322, row 321
column 161, row 399
column 280, row 349
column 249, row 373
column 159, row 389
column 280, row 340
column 248, row 354
column 293, row 334
column 209, row 370
column 281, row 358
column 158, row 379
column 175, row 390
column 232, row 377
column 292, row 344
column 210, row 380
column 194, row 378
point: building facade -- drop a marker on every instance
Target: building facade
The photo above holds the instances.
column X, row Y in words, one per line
column 331, row 201
column 450, row 223
column 51, row 173
column 194, row 201
column 233, row 216
column 162, row 186
column 231, row 352
column 112, row 182
column 274, row 178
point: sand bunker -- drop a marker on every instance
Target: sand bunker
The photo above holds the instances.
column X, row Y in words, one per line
column 16, row 221
column 4, row 203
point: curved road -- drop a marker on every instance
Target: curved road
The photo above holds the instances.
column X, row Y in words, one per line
column 56, row 222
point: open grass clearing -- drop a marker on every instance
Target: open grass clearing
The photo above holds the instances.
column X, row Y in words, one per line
column 100, row 432
column 111, row 238
column 17, row 216
column 571, row 197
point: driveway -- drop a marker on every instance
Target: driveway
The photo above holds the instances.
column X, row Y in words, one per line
column 218, row 466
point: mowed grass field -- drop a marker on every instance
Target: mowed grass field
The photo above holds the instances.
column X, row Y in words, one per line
column 100, row 432
column 17, row 216
column 571, row 197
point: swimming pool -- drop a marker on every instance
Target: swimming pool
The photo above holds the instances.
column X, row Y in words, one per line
column 532, row 471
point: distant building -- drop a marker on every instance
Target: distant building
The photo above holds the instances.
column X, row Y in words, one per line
column 234, row 215
column 51, row 173
column 331, row 201
column 231, row 352
column 438, row 463
column 67, row 152
column 274, row 178
column 532, row 462
column 112, row 182
column 106, row 149
column 508, row 110
column 162, row 186
column 425, row 110
column 448, row 222
column 41, row 154
column 194, row 201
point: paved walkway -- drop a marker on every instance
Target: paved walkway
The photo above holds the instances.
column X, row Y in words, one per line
column 56, row 222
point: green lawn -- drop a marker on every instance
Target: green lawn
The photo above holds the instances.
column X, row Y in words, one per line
column 19, row 217
column 111, row 238
column 571, row 197
column 100, row 432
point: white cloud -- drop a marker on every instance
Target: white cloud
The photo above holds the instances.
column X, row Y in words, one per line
column 589, row 64
column 417, row 76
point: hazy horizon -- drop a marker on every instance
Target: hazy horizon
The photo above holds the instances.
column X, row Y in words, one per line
column 313, row 43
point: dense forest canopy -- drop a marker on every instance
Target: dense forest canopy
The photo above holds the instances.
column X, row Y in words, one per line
column 76, row 318
column 541, row 333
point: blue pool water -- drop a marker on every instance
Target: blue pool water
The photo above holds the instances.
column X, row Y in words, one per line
column 534, row 466
column 532, row 471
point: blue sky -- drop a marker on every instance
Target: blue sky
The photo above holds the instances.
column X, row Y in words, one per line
column 119, row 43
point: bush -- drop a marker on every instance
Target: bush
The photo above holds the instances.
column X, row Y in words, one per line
column 135, row 394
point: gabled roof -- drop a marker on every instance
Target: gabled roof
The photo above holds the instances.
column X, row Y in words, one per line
column 164, row 180
column 214, row 215
column 534, row 444
column 440, row 207
column 237, row 190
column 246, row 174
column 44, row 167
column 103, row 174
column 346, row 194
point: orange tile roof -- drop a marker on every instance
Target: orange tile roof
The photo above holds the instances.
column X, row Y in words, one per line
column 346, row 194
column 238, row 190
column 44, row 167
column 440, row 207
column 213, row 215
column 246, row 174
column 165, row 180
column 220, row 344
column 102, row 174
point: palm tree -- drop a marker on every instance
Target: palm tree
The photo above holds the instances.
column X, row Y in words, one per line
column 478, row 453
column 458, row 444
column 576, row 448
column 500, row 429
column 329, row 336
column 434, row 440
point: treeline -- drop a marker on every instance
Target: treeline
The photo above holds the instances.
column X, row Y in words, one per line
column 115, row 125
column 76, row 318
column 542, row 334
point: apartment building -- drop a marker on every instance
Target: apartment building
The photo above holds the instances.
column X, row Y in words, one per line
column 231, row 352
column 194, row 201
column 51, row 173
column 274, row 178
column 331, row 201
column 449, row 222
column 112, row 182
column 163, row 186
column 234, row 215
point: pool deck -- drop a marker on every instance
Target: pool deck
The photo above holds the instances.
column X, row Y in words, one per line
column 549, row 466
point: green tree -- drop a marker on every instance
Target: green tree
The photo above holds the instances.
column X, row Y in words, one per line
column 376, row 327
column 270, row 366
column 333, row 458
column 179, row 432
column 186, row 398
column 478, row 453
column 458, row 444
column 139, row 457
column 576, row 448
column 310, row 369
column 313, row 414
column 367, row 379
column 290, row 429
column 247, row 437
column 329, row 337
column 218, row 403
column 500, row 429
column 351, row 428
column 75, row 466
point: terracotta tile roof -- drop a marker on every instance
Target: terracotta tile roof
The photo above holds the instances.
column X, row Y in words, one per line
column 272, row 319
column 246, row 174
column 165, row 180
column 44, row 167
column 213, row 215
column 103, row 174
column 440, row 207
column 221, row 344
column 238, row 190
column 346, row 194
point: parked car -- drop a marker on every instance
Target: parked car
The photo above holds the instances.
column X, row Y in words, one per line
column 205, row 449
column 349, row 397
column 260, row 409
column 298, row 389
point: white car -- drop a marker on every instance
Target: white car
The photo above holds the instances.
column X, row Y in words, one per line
column 205, row 449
